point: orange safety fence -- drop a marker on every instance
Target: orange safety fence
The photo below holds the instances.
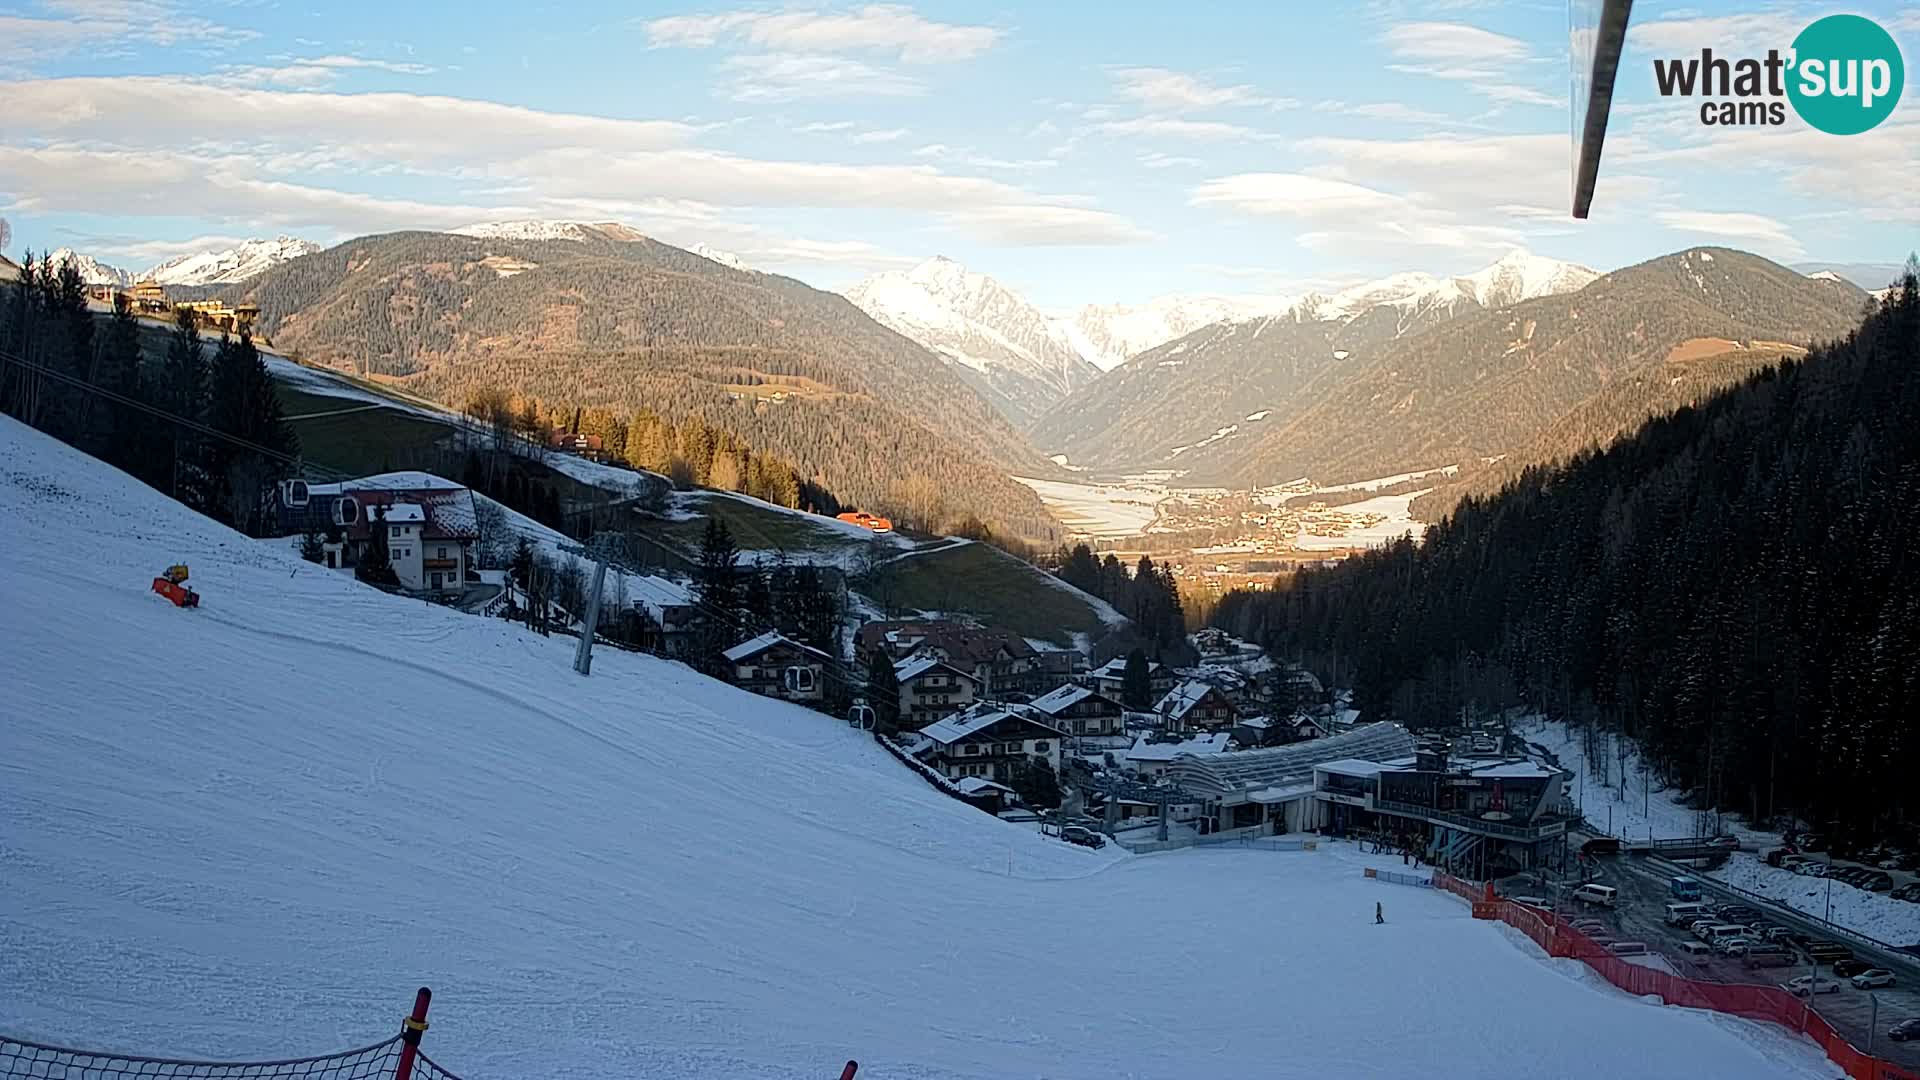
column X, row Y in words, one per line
column 1753, row 1002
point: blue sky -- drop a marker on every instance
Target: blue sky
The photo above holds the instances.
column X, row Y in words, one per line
column 1081, row 152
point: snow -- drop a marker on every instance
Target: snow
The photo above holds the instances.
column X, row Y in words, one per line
column 724, row 258
column 247, row 259
column 1398, row 522
column 1644, row 805
column 543, row 230
column 92, row 271
column 755, row 645
column 1876, row 915
column 642, row 873
column 1099, row 510
column 405, row 513
column 1143, row 750
column 1261, row 415
column 1108, row 334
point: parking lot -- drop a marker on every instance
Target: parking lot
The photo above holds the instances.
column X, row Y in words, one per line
column 1641, row 916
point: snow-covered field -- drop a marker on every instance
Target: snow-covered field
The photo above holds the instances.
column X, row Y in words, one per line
column 1398, row 523
column 253, row 828
column 1099, row 510
column 1877, row 915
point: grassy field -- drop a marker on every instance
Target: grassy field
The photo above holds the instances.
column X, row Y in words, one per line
column 355, row 437
column 994, row 587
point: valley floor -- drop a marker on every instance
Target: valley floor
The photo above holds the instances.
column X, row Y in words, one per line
column 253, row 828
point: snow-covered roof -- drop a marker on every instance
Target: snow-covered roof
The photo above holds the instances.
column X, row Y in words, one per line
column 1061, row 698
column 914, row 667
column 1167, row 751
column 657, row 592
column 404, row 513
column 952, row 729
column 1282, row 766
column 1514, row 770
column 974, row 785
column 768, row 640
column 1180, row 700
column 1280, row 793
column 1116, row 667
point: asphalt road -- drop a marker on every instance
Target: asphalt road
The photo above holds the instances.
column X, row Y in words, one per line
column 1641, row 916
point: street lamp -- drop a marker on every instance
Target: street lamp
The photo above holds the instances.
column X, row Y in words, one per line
column 1873, row 1025
column 1829, row 884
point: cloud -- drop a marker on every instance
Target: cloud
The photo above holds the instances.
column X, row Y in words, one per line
column 1770, row 234
column 310, row 72
column 778, row 77
column 1157, row 160
column 883, row 28
column 1396, row 111
column 1726, row 34
column 102, row 24
column 1049, row 226
column 810, row 129
column 151, row 252
column 389, row 128
column 1291, row 195
column 1166, row 127
column 1162, row 90
column 1454, row 42
column 889, row 135
column 1487, row 62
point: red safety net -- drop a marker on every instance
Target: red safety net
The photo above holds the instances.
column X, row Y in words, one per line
column 1752, row 1001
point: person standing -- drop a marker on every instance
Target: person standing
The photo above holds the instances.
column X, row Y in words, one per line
column 1379, row 914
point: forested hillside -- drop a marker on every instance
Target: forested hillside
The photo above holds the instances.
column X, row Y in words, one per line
column 630, row 324
column 1737, row 585
column 1487, row 383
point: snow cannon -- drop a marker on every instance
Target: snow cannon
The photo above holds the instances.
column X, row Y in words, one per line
column 172, row 585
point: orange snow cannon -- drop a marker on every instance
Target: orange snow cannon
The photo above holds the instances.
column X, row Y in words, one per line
column 172, row 585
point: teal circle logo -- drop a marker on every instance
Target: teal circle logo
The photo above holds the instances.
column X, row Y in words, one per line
column 1847, row 74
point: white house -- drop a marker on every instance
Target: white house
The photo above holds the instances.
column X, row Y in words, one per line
column 987, row 741
column 1196, row 704
column 931, row 688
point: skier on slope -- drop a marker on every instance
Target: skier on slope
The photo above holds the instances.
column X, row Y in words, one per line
column 1379, row 915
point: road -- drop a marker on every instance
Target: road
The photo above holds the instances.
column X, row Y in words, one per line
column 1641, row 916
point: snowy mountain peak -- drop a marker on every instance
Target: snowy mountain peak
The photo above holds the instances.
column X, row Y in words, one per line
column 238, row 263
column 1106, row 334
column 724, row 258
column 1003, row 345
column 580, row 231
column 92, row 271
column 1522, row 276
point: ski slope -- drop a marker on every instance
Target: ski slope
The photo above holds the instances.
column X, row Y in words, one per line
column 251, row 829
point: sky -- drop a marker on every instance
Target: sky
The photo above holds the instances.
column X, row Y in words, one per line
column 1080, row 152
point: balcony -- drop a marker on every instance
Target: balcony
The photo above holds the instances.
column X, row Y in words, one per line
column 1539, row 830
column 440, row 564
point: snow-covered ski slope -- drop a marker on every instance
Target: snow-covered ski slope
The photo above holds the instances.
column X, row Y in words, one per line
column 253, row 828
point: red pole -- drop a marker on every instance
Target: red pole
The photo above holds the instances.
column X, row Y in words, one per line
column 410, row 1031
column 847, row 1073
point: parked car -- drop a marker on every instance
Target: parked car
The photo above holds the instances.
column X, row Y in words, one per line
column 1781, row 935
column 1775, row 855
column 1846, row 969
column 1811, row 869
column 1909, row 892
column 1085, row 837
column 1637, row 948
column 1791, row 860
column 1809, row 984
column 1733, row 946
column 1873, row 979
column 1905, row 1029
column 1695, row 948
column 1765, row 957
column 1730, row 843
column 1828, row 952
column 1877, row 881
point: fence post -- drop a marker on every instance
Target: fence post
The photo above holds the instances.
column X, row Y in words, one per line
column 410, row 1031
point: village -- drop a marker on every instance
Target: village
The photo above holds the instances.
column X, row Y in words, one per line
column 1232, row 746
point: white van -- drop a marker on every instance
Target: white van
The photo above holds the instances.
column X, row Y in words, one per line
column 1716, row 935
column 1685, row 914
column 1695, row 948
column 1604, row 895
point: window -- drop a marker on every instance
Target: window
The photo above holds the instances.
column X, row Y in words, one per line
column 1040, row 747
column 393, row 530
column 443, row 552
column 972, row 749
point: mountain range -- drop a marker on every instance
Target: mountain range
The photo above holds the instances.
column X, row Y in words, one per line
column 999, row 343
column 598, row 315
column 218, row 267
